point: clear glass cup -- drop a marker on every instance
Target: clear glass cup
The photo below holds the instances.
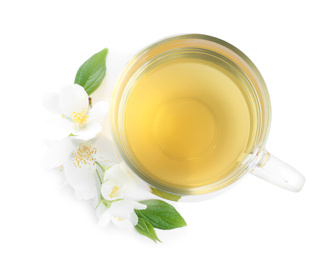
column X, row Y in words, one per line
column 259, row 162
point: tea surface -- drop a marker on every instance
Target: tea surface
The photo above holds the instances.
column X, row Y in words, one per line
column 189, row 122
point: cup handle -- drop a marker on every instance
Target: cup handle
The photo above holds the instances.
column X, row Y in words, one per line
column 275, row 171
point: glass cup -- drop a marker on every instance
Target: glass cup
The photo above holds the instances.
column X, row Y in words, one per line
column 258, row 161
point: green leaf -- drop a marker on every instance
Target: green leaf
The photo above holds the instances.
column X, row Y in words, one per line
column 165, row 195
column 92, row 72
column 161, row 215
column 146, row 229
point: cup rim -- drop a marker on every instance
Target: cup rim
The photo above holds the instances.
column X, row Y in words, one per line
column 246, row 165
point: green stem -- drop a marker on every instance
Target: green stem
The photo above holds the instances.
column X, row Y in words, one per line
column 103, row 168
column 98, row 176
column 99, row 165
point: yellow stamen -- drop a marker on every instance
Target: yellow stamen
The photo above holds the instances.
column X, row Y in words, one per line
column 120, row 219
column 114, row 189
column 84, row 155
column 80, row 118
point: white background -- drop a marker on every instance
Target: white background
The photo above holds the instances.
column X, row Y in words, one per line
column 42, row 45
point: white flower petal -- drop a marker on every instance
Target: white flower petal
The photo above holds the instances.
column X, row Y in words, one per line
column 83, row 180
column 78, row 142
column 116, row 173
column 134, row 218
column 123, row 223
column 123, row 214
column 122, row 208
column 73, row 98
column 50, row 142
column 64, row 184
column 97, row 112
column 138, row 205
column 61, row 122
column 52, row 103
column 88, row 132
column 85, row 194
column 104, row 218
column 105, row 150
column 97, row 198
column 58, row 153
column 100, row 209
column 112, row 189
column 129, row 185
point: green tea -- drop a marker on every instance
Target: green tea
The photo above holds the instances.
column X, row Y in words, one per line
column 188, row 121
